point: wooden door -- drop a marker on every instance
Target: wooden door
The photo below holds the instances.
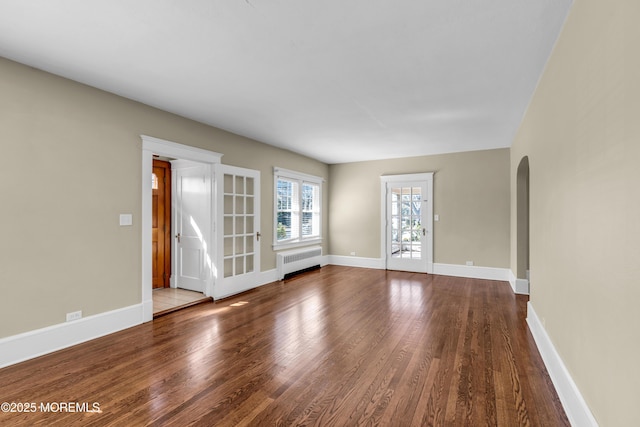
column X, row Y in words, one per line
column 161, row 224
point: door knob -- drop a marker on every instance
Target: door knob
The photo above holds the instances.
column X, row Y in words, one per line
column 178, row 237
column 258, row 235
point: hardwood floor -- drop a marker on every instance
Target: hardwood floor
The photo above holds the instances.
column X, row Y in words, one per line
column 338, row 346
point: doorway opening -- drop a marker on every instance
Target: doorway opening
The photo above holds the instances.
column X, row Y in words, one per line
column 522, row 209
column 192, row 232
column 183, row 207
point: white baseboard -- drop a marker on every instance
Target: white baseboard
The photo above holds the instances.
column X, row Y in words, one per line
column 512, row 281
column 267, row 277
column 573, row 403
column 472, row 271
column 354, row 261
column 519, row 286
column 28, row 345
column 522, row 286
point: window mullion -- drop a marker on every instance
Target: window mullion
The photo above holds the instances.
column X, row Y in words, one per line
column 300, row 203
column 296, row 210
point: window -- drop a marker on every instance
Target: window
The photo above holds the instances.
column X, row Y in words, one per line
column 297, row 208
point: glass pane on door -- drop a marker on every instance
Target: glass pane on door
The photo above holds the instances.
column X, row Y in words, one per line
column 406, row 222
column 239, row 214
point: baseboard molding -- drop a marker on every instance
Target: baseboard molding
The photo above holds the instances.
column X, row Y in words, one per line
column 354, row 261
column 522, row 286
column 573, row 403
column 267, row 277
column 512, row 281
column 519, row 286
column 28, row 345
column 472, row 271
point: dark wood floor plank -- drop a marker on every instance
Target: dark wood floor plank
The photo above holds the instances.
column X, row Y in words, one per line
column 415, row 379
column 333, row 347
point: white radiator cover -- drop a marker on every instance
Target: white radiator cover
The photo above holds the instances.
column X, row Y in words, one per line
column 299, row 259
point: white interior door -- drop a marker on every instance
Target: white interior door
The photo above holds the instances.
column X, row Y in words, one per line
column 192, row 222
column 239, row 195
column 408, row 222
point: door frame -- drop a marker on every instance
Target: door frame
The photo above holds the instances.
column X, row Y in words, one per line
column 426, row 177
column 161, row 147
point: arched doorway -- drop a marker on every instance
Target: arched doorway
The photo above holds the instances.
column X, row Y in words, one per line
column 522, row 194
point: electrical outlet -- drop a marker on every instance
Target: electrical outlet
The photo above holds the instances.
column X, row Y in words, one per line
column 469, row 263
column 353, row 254
column 74, row 316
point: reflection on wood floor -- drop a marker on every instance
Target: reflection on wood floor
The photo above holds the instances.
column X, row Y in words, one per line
column 166, row 300
column 338, row 346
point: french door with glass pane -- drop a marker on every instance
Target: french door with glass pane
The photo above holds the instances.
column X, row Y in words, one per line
column 408, row 222
column 239, row 216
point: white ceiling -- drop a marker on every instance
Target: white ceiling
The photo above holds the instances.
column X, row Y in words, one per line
column 336, row 80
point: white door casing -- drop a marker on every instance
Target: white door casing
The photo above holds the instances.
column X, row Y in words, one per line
column 154, row 146
column 407, row 222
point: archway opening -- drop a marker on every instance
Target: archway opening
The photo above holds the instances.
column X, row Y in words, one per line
column 522, row 194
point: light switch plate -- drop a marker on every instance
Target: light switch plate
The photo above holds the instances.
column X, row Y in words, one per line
column 126, row 219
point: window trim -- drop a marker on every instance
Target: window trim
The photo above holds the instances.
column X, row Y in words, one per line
column 301, row 178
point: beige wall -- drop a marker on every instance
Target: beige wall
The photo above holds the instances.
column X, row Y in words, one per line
column 72, row 163
column 471, row 195
column 582, row 136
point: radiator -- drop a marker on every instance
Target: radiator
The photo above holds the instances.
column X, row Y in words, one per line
column 299, row 259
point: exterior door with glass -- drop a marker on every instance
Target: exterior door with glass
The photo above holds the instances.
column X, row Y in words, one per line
column 408, row 222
